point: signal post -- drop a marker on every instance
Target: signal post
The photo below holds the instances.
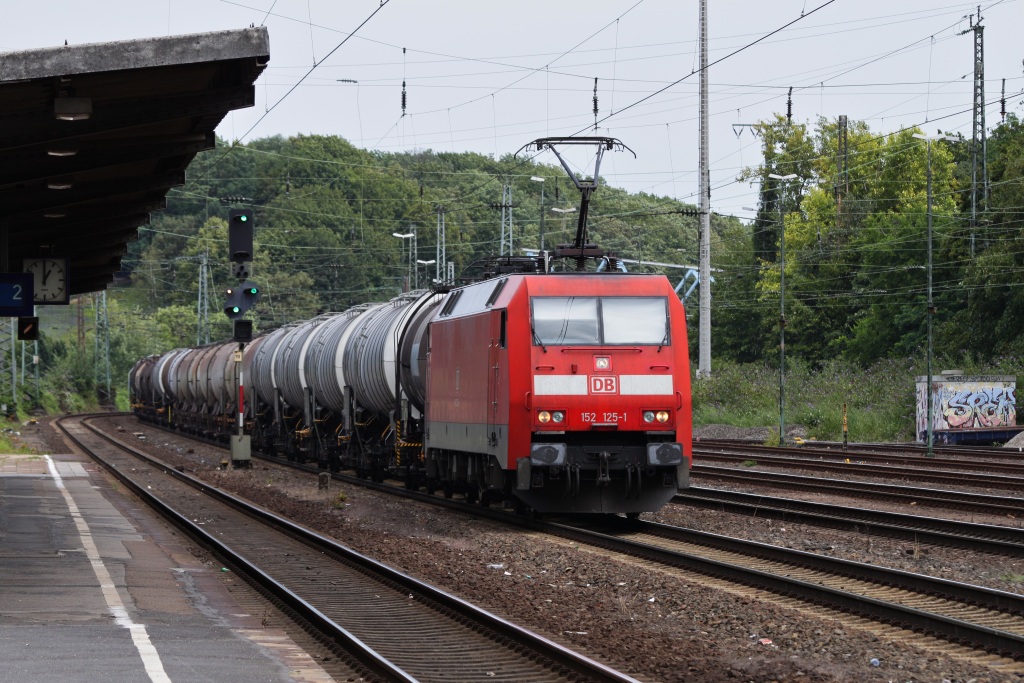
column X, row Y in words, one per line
column 240, row 298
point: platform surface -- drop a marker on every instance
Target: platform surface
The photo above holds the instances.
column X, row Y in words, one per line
column 97, row 588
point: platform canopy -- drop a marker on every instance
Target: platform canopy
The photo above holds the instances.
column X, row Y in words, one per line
column 93, row 136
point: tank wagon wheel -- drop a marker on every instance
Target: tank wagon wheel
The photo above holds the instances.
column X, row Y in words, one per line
column 472, row 494
column 632, row 515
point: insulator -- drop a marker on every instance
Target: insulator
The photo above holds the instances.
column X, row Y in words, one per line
column 1002, row 102
column 789, row 106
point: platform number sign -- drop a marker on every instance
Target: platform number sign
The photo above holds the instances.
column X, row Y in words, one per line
column 16, row 295
column 604, row 384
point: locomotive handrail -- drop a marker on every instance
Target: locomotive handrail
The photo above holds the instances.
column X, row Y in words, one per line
column 603, row 349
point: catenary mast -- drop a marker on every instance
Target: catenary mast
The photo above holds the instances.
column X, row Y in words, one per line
column 704, row 306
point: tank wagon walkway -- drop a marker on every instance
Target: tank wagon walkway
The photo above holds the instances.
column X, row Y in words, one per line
column 94, row 587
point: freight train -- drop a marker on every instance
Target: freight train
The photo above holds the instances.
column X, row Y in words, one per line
column 557, row 392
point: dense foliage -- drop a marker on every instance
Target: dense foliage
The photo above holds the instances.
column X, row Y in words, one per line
column 856, row 247
column 326, row 215
column 857, row 243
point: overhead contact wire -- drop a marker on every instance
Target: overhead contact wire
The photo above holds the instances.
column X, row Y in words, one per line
column 717, row 61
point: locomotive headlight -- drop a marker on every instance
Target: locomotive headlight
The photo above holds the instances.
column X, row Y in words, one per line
column 648, row 416
column 544, row 417
column 662, row 416
column 558, row 416
column 602, row 363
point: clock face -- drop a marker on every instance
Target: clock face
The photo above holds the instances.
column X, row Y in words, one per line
column 50, row 276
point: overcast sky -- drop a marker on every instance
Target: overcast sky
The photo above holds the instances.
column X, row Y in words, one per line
column 491, row 76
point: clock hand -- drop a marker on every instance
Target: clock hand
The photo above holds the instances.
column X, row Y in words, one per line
column 46, row 276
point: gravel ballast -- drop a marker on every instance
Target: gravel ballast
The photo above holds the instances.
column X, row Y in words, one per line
column 656, row 624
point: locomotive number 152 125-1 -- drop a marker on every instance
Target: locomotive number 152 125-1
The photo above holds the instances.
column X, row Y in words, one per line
column 604, row 417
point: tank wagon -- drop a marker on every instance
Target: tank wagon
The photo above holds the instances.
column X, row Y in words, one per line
column 558, row 392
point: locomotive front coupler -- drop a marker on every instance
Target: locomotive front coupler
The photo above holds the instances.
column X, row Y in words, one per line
column 603, row 468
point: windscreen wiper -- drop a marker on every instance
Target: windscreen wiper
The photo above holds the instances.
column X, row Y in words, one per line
column 536, row 339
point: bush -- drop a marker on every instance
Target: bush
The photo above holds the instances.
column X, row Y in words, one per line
column 879, row 399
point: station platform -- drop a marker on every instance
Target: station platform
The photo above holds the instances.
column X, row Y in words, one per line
column 96, row 587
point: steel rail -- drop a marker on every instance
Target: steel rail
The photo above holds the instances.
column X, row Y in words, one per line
column 372, row 660
column 928, row 472
column 579, row 666
column 992, row 452
column 945, row 498
column 948, row 628
column 951, row 629
column 1002, row 540
column 1012, row 463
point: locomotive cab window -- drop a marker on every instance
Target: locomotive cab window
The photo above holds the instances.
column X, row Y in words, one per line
column 577, row 320
column 634, row 320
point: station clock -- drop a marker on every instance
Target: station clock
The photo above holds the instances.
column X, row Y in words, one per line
column 50, row 279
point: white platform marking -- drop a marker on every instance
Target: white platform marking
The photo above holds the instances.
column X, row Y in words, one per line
column 150, row 657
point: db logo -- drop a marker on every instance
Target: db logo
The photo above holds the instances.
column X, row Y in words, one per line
column 604, row 385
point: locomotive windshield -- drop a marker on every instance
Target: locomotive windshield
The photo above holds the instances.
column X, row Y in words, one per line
column 606, row 320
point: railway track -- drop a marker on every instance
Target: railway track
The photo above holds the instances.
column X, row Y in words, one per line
column 1011, row 506
column 972, row 621
column 982, row 618
column 986, row 538
column 991, row 459
column 979, row 619
column 994, row 453
column 943, row 471
column 375, row 616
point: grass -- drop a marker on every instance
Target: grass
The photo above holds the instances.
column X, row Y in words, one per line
column 10, row 443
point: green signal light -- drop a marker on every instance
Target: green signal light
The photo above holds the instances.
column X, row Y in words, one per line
column 252, row 290
column 235, row 309
column 243, row 218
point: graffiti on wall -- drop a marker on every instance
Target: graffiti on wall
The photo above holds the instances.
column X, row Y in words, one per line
column 967, row 405
column 993, row 407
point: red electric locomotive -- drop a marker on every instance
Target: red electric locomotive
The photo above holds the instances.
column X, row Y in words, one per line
column 569, row 391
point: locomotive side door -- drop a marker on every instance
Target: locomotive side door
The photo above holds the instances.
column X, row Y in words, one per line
column 497, row 431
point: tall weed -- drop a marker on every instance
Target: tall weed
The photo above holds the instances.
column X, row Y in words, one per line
column 879, row 399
